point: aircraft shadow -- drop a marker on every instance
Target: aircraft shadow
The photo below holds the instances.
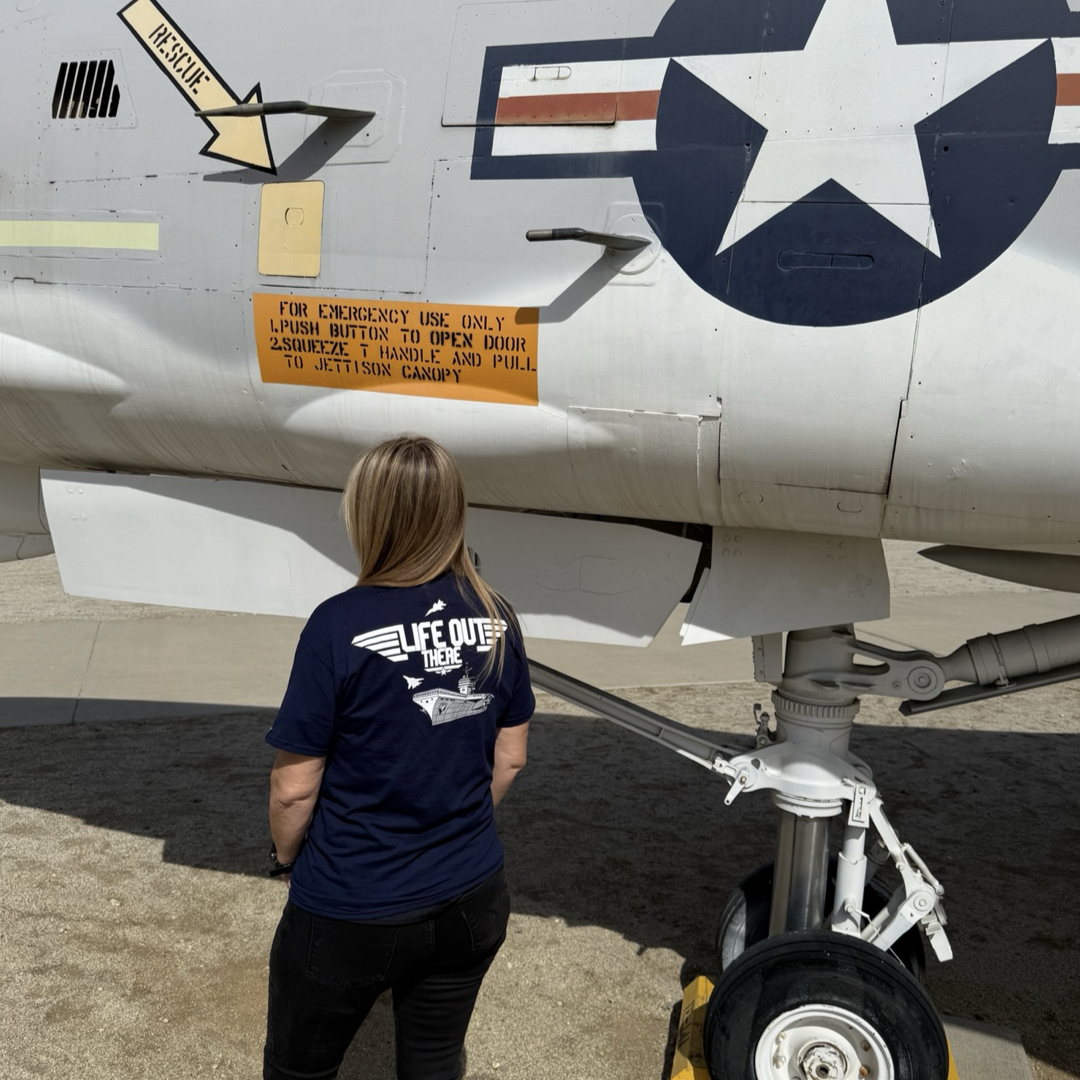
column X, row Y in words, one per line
column 604, row 829
column 311, row 156
column 582, row 289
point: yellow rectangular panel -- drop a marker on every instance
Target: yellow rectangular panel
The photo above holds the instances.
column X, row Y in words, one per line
column 117, row 235
column 458, row 351
column 290, row 229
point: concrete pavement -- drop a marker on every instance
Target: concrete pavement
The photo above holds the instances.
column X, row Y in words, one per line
column 134, row 917
column 90, row 661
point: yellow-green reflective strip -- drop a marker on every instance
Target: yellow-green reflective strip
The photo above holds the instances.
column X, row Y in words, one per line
column 117, row 235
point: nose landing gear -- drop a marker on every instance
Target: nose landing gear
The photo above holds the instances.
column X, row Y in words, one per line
column 818, row 996
column 820, row 964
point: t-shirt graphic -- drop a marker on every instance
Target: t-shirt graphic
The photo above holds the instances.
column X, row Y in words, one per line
column 446, row 705
column 437, row 644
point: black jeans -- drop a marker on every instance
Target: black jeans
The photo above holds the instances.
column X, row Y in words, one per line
column 325, row 975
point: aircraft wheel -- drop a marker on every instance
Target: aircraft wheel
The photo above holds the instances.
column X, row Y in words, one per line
column 822, row 1006
column 745, row 920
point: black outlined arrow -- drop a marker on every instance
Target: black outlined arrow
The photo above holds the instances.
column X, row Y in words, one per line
column 242, row 140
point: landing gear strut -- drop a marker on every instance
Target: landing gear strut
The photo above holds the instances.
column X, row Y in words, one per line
column 812, row 776
column 745, row 919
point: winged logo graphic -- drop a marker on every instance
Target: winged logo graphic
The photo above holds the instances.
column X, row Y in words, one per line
column 389, row 641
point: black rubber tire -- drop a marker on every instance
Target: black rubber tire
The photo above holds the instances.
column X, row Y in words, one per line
column 745, row 919
column 796, row 970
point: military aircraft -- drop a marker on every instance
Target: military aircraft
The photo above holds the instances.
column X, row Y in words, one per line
column 706, row 296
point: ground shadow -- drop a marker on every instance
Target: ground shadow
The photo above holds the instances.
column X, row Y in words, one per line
column 25, row 712
column 607, row 830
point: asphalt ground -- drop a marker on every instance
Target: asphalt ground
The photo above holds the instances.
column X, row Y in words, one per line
column 135, row 916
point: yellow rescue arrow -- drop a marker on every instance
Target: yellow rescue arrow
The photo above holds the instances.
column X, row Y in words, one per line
column 240, row 139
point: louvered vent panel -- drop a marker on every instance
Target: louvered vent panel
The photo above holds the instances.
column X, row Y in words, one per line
column 86, row 90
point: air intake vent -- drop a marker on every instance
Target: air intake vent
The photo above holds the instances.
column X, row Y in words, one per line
column 86, row 90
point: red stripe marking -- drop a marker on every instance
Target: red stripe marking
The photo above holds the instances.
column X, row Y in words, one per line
column 578, row 108
column 1068, row 92
column 638, row 105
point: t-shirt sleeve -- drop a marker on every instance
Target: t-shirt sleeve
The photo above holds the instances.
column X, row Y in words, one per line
column 305, row 722
column 522, row 703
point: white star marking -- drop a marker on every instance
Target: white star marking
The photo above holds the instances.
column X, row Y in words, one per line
column 845, row 109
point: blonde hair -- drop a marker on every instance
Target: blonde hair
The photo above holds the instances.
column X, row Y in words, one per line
column 404, row 508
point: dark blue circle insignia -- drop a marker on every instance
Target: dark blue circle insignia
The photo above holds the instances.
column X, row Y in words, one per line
column 828, row 258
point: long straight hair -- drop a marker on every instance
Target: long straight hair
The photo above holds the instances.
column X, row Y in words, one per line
column 404, row 507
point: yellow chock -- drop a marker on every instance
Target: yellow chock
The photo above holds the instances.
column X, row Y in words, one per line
column 689, row 1060
column 953, row 1073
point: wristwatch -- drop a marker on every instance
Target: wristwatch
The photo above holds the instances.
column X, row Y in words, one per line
column 277, row 868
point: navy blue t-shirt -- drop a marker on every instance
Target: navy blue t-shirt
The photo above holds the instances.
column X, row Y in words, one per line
column 386, row 686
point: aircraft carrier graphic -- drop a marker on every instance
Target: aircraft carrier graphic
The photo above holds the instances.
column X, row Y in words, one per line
column 446, row 705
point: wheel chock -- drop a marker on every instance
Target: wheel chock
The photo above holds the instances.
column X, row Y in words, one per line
column 953, row 1073
column 689, row 1060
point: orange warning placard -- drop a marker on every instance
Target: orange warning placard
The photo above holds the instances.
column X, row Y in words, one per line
column 430, row 350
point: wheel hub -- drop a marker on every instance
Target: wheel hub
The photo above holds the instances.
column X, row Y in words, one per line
column 822, row 1042
column 823, row 1061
